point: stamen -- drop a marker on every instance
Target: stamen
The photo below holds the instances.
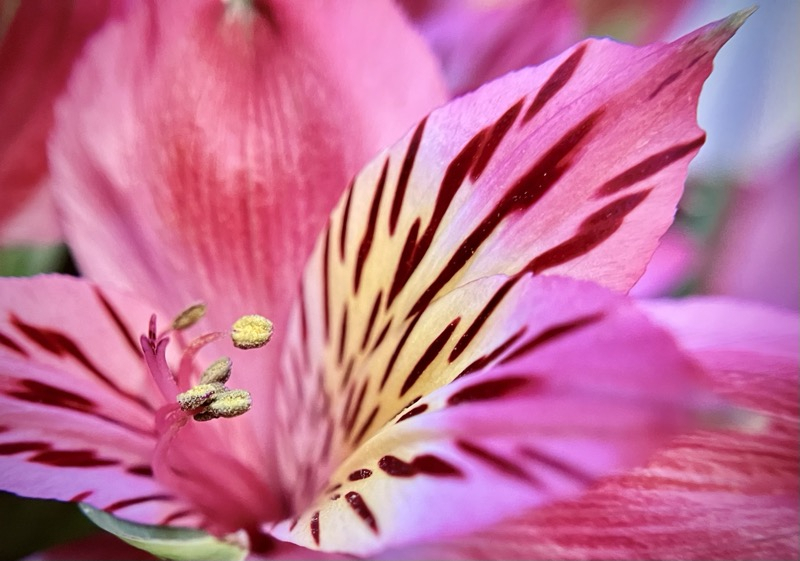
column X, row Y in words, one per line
column 185, row 367
column 219, row 371
column 231, row 403
column 189, row 316
column 251, row 332
column 200, row 395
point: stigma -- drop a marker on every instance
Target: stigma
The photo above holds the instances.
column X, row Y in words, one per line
column 210, row 397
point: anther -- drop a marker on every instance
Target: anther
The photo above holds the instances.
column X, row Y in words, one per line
column 219, row 371
column 199, row 396
column 251, row 332
column 189, row 316
column 230, row 403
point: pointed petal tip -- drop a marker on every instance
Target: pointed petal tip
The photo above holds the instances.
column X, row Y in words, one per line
column 737, row 19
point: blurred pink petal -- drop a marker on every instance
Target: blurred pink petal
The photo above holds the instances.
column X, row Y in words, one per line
column 201, row 144
column 758, row 254
column 562, row 383
column 710, row 495
column 477, row 40
column 631, row 20
column 673, row 263
column 36, row 56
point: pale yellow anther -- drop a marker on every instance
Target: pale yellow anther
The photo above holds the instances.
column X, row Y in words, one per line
column 199, row 396
column 189, row 316
column 251, row 332
column 218, row 372
column 230, row 403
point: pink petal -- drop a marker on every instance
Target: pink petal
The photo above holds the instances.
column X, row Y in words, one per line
column 36, row 55
column 555, row 383
column 480, row 41
column 711, row 495
column 76, row 411
column 675, row 260
column 202, row 144
column 758, row 255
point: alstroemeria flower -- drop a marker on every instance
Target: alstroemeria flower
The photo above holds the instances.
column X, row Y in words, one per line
column 451, row 358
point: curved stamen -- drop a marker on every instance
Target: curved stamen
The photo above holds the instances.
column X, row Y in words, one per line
column 185, row 366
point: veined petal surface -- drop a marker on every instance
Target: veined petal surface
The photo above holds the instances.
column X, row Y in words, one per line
column 553, row 386
column 202, row 144
column 76, row 409
column 709, row 495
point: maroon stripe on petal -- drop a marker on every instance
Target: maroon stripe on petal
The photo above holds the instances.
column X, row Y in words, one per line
column 360, row 507
column 495, row 136
column 649, row 167
column 414, row 412
column 80, row 497
column 484, row 315
column 11, row 448
column 555, row 83
column 494, row 460
column 366, row 425
column 551, row 334
column 360, row 474
column 313, row 526
column 345, row 220
column 371, row 321
column 71, row 458
column 429, row 356
column 491, row 389
column 9, row 343
column 664, row 83
column 397, row 350
column 326, row 283
column 143, row 470
column 593, row 231
column 119, row 505
column 485, row 360
column 343, row 335
column 406, row 264
column 405, row 174
column 369, row 233
column 118, row 323
column 521, row 196
column 59, row 344
column 38, row 392
column 558, row 465
column 175, row 516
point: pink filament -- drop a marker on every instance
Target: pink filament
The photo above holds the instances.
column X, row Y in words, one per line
column 185, row 367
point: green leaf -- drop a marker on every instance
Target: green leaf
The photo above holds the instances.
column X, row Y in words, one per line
column 171, row 543
column 24, row 261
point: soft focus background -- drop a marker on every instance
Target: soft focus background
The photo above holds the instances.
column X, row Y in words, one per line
column 737, row 229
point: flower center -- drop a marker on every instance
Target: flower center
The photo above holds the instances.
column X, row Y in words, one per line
column 210, row 398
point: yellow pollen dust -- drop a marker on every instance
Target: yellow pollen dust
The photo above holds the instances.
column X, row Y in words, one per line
column 218, row 372
column 251, row 332
column 230, row 403
column 189, row 317
column 198, row 396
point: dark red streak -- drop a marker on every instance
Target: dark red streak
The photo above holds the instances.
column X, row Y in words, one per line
column 371, row 321
column 405, row 174
column 397, row 350
column 345, row 219
column 494, row 460
column 649, row 167
column 360, row 507
column 555, row 83
column 495, row 137
column 429, row 356
column 551, row 334
column 523, row 195
column 594, row 230
column 484, row 315
column 487, row 359
column 369, row 234
column 116, row 318
column 666, row 82
column 490, row 389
